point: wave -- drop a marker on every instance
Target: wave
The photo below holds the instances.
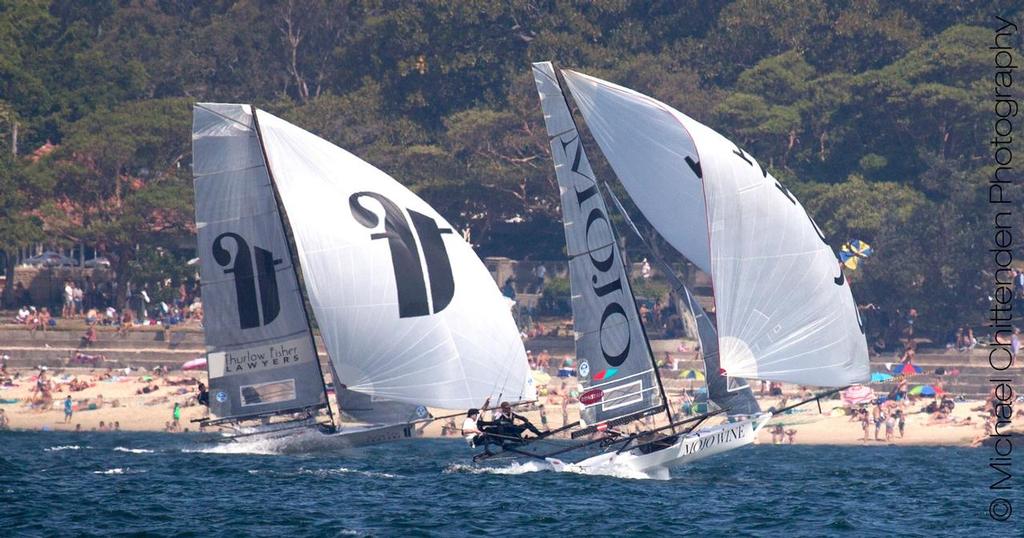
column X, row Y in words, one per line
column 263, row 447
column 63, row 447
column 133, row 450
column 516, row 468
column 513, row 468
column 119, row 470
column 323, row 473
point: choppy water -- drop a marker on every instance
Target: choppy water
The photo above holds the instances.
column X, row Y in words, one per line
column 159, row 484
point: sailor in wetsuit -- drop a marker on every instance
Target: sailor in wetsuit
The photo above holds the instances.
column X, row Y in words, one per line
column 504, row 428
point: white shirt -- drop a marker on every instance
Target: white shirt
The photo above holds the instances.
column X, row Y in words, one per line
column 469, row 428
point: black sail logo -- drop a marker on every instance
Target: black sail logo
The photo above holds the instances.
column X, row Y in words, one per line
column 603, row 268
column 405, row 254
column 252, row 271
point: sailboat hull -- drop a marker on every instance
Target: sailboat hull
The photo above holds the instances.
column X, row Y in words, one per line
column 312, row 439
column 355, row 437
column 688, row 449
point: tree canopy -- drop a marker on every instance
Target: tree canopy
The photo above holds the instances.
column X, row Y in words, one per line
column 874, row 113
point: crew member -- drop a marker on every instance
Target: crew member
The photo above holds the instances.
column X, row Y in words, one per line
column 470, row 430
column 504, row 427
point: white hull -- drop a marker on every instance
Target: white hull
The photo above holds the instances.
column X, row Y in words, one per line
column 313, row 440
column 688, row 449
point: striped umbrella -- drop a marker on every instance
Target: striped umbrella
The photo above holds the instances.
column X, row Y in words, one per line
column 691, row 374
column 925, row 390
column 906, row 369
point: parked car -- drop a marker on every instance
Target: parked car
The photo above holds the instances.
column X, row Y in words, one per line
column 98, row 261
column 51, row 259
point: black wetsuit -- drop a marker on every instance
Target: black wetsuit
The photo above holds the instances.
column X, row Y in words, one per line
column 503, row 429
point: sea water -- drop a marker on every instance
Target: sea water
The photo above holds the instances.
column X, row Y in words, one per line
column 172, row 485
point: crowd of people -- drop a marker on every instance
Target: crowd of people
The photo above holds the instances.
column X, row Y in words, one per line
column 94, row 303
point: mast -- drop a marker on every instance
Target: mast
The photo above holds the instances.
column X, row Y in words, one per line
column 294, row 256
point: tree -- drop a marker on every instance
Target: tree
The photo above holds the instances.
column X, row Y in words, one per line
column 122, row 183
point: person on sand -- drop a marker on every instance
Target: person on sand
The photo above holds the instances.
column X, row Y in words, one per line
column 890, row 427
column 791, row 436
column 204, row 395
column 865, row 422
column 901, row 421
column 117, row 426
column 68, row 409
column 177, row 416
column 4, row 421
column 879, row 417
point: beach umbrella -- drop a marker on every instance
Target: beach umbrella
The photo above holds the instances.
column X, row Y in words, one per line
column 691, row 374
column 853, row 251
column 878, row 377
column 858, row 394
column 195, row 364
column 925, row 390
column 906, row 369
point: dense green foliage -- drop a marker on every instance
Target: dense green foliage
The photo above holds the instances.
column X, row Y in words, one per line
column 874, row 113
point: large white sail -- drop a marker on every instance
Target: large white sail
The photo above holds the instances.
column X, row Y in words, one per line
column 261, row 357
column 784, row 309
column 615, row 367
column 407, row 310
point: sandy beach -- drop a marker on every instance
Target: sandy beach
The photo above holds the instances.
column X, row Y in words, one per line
column 120, row 400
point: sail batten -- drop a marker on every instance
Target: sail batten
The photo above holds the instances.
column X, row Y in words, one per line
column 779, row 290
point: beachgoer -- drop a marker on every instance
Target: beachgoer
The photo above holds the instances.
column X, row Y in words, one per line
column 865, row 422
column 117, row 426
column 177, row 416
column 204, row 395
column 791, row 436
column 890, row 427
column 68, row 409
column 901, row 421
column 4, row 421
column 879, row 418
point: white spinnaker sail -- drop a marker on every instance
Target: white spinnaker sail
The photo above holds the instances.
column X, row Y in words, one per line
column 407, row 310
column 784, row 309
